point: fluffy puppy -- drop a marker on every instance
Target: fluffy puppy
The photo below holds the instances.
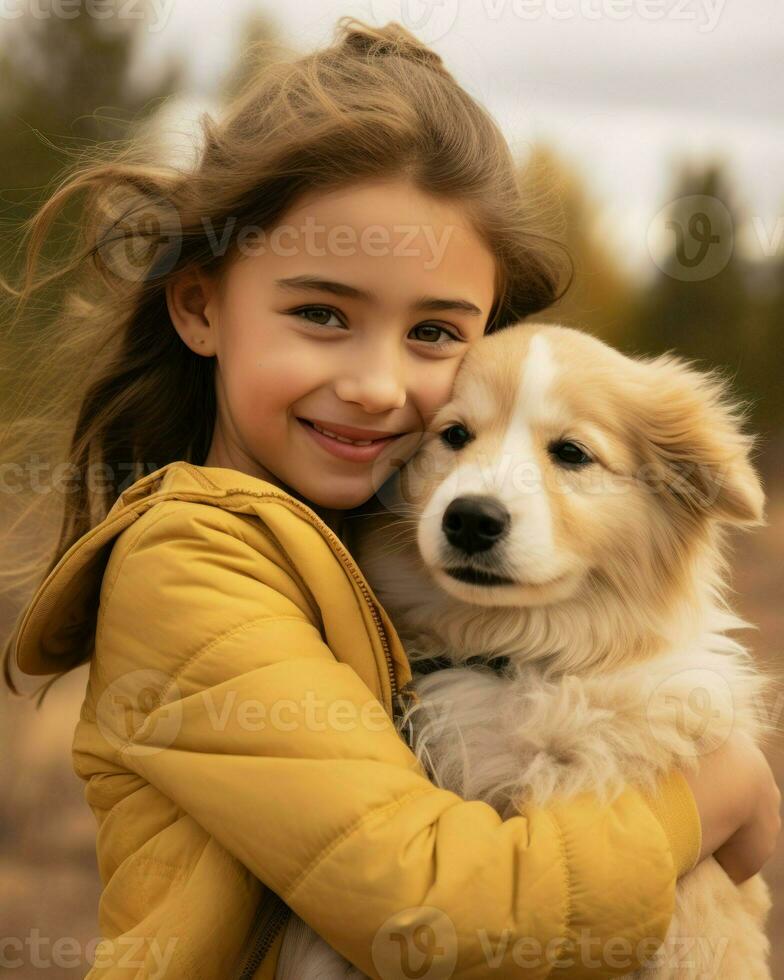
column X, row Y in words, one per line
column 554, row 560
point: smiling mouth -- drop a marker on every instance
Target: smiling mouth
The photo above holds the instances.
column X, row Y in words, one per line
column 476, row 576
column 350, row 442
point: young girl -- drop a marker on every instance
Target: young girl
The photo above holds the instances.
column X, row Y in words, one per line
column 352, row 226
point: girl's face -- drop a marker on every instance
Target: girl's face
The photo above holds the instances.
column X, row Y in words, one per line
column 355, row 310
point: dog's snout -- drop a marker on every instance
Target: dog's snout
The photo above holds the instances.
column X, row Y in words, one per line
column 475, row 523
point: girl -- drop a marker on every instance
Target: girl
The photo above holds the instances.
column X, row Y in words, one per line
column 351, row 227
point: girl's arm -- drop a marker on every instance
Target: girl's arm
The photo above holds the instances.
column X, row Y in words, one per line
column 739, row 803
column 286, row 758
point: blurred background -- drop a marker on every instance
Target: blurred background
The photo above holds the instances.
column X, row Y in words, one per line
column 654, row 127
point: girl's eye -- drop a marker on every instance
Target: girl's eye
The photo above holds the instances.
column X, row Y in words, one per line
column 438, row 329
column 570, row 454
column 456, row 436
column 324, row 311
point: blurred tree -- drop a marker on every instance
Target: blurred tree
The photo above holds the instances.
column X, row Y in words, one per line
column 768, row 364
column 57, row 74
column 697, row 301
column 706, row 301
column 259, row 43
column 601, row 292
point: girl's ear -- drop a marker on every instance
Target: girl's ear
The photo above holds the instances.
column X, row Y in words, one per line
column 188, row 293
column 692, row 444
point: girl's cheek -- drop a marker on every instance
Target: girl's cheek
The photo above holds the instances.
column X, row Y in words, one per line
column 437, row 389
column 271, row 383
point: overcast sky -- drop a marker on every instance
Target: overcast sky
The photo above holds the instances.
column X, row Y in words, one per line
column 621, row 87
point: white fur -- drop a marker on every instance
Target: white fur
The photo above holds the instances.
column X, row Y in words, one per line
column 513, row 474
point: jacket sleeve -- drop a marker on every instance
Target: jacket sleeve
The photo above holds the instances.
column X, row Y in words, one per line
column 250, row 724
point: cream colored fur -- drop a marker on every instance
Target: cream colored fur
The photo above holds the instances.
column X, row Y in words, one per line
column 617, row 626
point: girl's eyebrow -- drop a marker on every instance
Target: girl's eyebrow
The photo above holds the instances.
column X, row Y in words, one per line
column 343, row 289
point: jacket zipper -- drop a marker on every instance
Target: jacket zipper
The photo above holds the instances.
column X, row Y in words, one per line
column 265, row 931
column 266, row 928
column 338, row 546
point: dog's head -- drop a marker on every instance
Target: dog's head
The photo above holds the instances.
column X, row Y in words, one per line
column 561, row 467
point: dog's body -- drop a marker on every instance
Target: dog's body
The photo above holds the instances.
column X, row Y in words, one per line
column 578, row 533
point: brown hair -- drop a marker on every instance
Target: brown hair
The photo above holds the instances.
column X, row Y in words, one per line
column 375, row 103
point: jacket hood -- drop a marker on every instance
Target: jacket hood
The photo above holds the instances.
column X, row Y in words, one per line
column 58, row 628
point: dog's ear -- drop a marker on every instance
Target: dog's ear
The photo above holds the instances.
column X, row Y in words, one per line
column 693, row 447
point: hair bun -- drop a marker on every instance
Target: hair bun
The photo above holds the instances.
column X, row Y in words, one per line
column 392, row 40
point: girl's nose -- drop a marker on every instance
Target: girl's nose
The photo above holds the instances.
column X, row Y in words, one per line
column 376, row 382
column 375, row 392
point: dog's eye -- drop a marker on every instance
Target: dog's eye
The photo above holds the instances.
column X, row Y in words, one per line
column 456, row 436
column 570, row 453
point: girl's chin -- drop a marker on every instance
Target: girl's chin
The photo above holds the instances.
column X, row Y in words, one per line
column 354, row 493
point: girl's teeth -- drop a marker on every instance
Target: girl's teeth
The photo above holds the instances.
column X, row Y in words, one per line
column 334, row 435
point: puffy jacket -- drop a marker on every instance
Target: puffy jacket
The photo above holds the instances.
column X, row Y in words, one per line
column 238, row 746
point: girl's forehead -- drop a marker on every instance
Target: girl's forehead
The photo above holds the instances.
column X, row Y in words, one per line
column 391, row 234
column 388, row 202
column 441, row 275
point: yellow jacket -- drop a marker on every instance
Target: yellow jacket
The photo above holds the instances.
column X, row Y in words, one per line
column 237, row 744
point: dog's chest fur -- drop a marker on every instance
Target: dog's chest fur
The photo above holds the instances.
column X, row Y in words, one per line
column 516, row 736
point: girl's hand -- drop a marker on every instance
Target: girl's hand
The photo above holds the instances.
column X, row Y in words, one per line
column 739, row 803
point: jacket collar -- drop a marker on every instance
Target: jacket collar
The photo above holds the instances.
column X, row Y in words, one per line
column 58, row 628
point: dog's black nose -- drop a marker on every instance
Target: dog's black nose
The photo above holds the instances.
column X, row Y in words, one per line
column 475, row 523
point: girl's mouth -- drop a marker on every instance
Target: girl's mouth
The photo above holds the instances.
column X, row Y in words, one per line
column 347, row 450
